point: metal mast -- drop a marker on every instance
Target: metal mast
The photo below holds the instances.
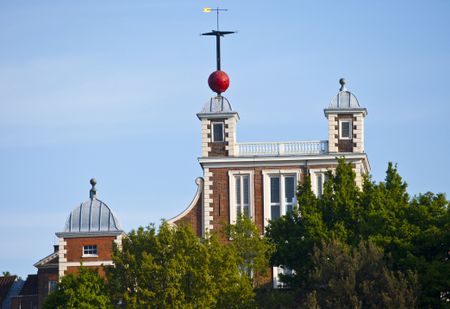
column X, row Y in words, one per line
column 217, row 33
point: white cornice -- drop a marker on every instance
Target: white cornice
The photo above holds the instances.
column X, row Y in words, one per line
column 309, row 160
column 355, row 110
column 218, row 115
column 88, row 234
column 45, row 260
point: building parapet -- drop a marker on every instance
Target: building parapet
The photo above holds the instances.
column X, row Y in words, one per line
column 282, row 148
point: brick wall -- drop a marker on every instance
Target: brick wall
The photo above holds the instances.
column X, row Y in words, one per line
column 75, row 270
column 220, row 196
column 193, row 218
column 45, row 275
column 74, row 248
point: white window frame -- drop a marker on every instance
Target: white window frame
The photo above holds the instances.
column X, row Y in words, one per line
column 90, row 248
column 350, row 132
column 232, row 193
column 314, row 173
column 267, row 174
column 212, row 131
column 276, row 272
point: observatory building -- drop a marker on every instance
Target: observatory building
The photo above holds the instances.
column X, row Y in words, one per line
column 260, row 179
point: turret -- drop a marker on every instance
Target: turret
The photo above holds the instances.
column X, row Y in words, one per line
column 345, row 122
column 217, row 117
column 218, row 128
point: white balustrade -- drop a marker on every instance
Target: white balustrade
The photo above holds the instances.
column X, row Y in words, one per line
column 282, row 148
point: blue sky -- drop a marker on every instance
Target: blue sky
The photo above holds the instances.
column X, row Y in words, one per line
column 109, row 89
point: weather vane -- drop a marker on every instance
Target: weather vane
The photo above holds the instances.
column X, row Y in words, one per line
column 218, row 81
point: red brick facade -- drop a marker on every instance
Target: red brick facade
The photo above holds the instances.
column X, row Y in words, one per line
column 74, row 248
column 193, row 218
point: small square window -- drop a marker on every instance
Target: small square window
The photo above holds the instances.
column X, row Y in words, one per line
column 218, row 135
column 90, row 250
column 345, row 129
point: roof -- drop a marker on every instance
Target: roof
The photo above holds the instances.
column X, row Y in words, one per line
column 345, row 101
column 92, row 216
column 31, row 286
column 217, row 106
column 48, row 261
column 6, row 283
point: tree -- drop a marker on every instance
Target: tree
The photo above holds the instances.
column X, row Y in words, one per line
column 172, row 268
column 253, row 251
column 356, row 278
column 230, row 287
column 84, row 290
column 413, row 233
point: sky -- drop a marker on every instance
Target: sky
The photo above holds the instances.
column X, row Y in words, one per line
column 110, row 89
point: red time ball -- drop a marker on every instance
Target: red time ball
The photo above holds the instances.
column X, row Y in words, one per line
column 218, row 81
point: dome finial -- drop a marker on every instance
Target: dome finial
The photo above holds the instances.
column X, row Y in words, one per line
column 342, row 81
column 93, row 192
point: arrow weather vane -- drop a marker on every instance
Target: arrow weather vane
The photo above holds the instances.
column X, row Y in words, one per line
column 217, row 33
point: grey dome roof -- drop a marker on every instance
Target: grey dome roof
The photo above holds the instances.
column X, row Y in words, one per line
column 218, row 104
column 92, row 216
column 344, row 99
column 217, row 107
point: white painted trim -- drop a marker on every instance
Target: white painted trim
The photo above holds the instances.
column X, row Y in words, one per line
column 339, row 111
column 89, row 263
column 207, row 200
column 313, row 173
column 199, row 181
column 118, row 241
column 266, row 189
column 251, row 162
column 209, row 116
column 62, row 260
column 89, row 254
column 46, row 259
column 295, row 158
column 232, row 193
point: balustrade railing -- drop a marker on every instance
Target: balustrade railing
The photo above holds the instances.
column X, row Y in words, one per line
column 282, row 148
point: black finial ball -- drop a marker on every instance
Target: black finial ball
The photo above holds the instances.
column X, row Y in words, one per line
column 342, row 81
column 93, row 182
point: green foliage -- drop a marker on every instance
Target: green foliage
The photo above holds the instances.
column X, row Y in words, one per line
column 356, row 278
column 228, row 286
column 253, row 251
column 269, row 298
column 172, row 268
column 414, row 233
column 84, row 290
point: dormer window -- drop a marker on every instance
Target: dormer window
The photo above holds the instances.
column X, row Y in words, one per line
column 345, row 127
column 218, row 134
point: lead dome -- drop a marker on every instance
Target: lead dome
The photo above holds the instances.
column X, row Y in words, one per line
column 92, row 216
column 217, row 105
column 344, row 99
